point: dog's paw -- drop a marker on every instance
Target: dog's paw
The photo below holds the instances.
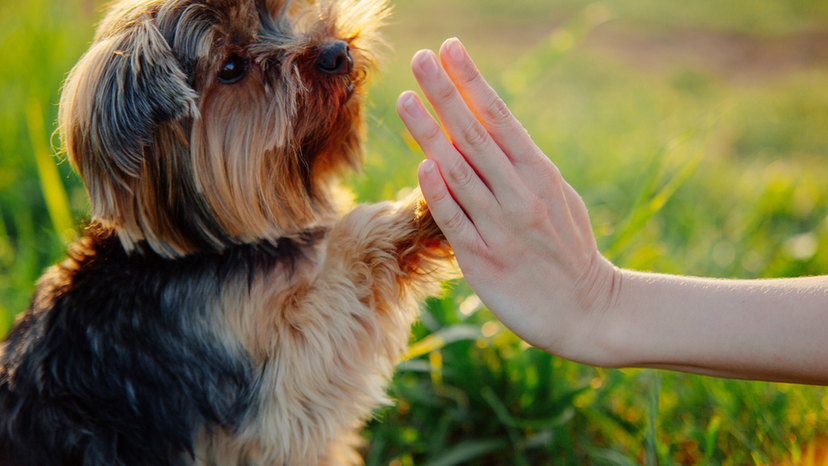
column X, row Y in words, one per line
column 403, row 233
column 423, row 221
column 425, row 241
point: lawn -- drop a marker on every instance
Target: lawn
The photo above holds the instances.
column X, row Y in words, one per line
column 697, row 133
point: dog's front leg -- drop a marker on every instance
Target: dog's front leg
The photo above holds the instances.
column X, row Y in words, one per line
column 339, row 329
column 379, row 262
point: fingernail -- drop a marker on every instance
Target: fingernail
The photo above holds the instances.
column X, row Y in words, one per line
column 455, row 49
column 427, row 169
column 428, row 63
column 412, row 107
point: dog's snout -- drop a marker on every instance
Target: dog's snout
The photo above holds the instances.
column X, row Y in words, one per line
column 335, row 58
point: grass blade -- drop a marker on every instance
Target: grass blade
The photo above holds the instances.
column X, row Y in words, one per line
column 442, row 338
column 710, row 437
column 647, row 204
column 57, row 202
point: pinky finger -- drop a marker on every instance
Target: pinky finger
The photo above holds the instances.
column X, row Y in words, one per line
column 460, row 231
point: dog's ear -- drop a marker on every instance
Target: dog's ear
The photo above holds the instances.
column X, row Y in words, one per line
column 127, row 85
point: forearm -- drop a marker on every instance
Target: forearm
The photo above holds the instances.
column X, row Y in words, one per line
column 773, row 330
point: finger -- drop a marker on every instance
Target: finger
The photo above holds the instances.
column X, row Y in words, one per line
column 467, row 134
column 467, row 189
column 460, row 231
column 488, row 107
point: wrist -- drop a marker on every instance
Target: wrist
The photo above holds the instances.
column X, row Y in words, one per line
column 592, row 335
column 634, row 332
column 607, row 334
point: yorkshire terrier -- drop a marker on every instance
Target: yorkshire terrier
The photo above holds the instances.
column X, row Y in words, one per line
column 223, row 306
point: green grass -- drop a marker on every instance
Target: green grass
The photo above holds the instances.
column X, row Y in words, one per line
column 684, row 170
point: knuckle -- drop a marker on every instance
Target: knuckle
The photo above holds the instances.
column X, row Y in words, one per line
column 438, row 198
column 475, row 135
column 461, row 175
column 432, row 133
column 446, row 91
column 470, row 78
column 455, row 221
column 494, row 110
column 548, row 171
column 497, row 113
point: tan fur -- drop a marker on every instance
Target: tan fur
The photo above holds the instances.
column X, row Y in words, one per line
column 338, row 328
column 199, row 166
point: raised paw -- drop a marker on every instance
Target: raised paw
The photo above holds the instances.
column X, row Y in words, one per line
column 425, row 242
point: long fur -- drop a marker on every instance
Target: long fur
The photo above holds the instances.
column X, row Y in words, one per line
column 219, row 309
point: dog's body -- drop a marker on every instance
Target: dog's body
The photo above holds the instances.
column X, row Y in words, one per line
column 219, row 309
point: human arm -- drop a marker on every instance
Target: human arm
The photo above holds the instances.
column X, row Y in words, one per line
column 772, row 330
column 523, row 239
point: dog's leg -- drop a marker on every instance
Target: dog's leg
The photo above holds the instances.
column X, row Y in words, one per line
column 394, row 255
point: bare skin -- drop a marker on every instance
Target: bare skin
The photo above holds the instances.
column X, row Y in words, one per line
column 523, row 239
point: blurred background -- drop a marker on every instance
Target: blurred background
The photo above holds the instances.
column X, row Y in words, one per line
column 697, row 133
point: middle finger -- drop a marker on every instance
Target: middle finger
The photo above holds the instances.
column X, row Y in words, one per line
column 466, row 132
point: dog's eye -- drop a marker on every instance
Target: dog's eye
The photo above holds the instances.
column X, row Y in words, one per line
column 232, row 70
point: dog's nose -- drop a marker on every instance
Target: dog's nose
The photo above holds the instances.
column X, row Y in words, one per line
column 335, row 58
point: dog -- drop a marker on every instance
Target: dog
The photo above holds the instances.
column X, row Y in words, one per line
column 223, row 305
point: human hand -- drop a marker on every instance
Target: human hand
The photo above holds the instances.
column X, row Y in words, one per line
column 520, row 232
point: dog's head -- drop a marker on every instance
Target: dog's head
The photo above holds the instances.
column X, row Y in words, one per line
column 198, row 124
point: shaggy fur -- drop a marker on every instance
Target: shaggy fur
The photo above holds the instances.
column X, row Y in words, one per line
column 219, row 309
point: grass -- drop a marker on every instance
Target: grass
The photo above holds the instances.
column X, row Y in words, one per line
column 684, row 168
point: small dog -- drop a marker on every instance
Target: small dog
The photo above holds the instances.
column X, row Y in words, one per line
column 221, row 308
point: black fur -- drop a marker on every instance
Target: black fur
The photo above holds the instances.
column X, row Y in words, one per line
column 82, row 379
